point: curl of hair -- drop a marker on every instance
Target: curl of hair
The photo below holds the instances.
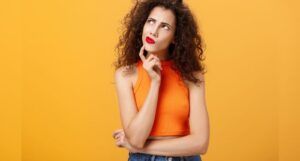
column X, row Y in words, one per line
column 186, row 53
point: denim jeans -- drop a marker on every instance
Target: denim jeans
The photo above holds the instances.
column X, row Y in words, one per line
column 150, row 157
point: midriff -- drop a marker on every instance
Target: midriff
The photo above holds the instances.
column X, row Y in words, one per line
column 162, row 137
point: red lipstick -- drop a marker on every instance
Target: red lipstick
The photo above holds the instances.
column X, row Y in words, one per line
column 149, row 40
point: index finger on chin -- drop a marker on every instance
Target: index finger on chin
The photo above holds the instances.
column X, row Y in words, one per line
column 141, row 54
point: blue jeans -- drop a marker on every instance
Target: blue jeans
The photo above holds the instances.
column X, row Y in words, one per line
column 150, row 157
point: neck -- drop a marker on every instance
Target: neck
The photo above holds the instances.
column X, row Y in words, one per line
column 162, row 55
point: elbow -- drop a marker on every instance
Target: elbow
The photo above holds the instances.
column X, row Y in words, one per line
column 135, row 140
column 136, row 143
column 202, row 149
column 202, row 146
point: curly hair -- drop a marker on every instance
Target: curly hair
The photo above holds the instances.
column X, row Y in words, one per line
column 186, row 53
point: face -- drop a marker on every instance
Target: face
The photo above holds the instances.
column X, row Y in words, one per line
column 160, row 26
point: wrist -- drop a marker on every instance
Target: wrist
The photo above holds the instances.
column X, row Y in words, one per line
column 155, row 82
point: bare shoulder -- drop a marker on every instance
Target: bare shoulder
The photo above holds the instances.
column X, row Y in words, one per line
column 199, row 75
column 123, row 76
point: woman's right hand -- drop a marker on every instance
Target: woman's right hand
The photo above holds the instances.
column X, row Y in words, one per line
column 151, row 64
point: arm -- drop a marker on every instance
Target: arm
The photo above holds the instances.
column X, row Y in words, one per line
column 197, row 141
column 137, row 125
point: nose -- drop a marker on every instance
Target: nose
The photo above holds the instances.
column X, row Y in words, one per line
column 154, row 31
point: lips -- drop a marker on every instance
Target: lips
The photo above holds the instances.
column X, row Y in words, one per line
column 149, row 40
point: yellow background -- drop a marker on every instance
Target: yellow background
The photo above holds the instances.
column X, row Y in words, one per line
column 58, row 100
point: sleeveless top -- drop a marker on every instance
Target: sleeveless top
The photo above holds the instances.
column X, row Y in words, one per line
column 172, row 111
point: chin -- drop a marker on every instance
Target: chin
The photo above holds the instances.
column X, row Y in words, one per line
column 150, row 48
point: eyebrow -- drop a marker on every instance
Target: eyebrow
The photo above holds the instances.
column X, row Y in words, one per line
column 162, row 22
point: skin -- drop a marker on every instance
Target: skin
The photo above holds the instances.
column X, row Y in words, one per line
column 135, row 135
column 160, row 26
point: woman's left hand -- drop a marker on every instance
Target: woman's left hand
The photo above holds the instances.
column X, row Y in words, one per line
column 122, row 141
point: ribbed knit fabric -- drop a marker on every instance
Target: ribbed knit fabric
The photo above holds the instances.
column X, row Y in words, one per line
column 172, row 113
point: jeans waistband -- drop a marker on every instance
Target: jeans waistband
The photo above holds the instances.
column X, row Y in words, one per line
column 150, row 157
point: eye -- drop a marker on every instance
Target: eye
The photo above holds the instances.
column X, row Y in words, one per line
column 150, row 21
column 166, row 27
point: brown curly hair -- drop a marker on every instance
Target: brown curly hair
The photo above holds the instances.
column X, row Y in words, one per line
column 187, row 54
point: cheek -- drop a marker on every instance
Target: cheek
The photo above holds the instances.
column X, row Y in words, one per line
column 145, row 29
column 166, row 40
column 144, row 33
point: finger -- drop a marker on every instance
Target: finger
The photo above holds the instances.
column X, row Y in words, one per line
column 118, row 144
column 150, row 57
column 118, row 135
column 155, row 63
column 158, row 63
column 160, row 66
column 155, row 56
column 141, row 54
column 116, row 132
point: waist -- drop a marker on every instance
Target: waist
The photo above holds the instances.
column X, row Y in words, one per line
column 145, row 156
column 162, row 137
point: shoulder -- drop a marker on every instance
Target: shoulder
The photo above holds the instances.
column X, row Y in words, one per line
column 121, row 74
column 199, row 75
column 124, row 75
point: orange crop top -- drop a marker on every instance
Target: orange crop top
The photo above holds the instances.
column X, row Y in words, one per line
column 172, row 113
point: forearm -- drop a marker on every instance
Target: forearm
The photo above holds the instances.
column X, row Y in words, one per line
column 182, row 146
column 141, row 125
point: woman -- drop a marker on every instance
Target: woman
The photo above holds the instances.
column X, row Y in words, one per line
column 160, row 84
